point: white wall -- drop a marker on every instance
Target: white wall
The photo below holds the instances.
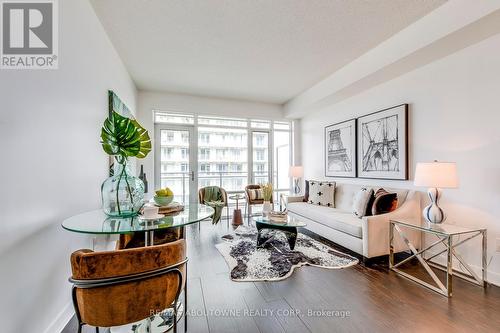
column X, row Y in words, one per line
column 454, row 116
column 52, row 167
column 149, row 101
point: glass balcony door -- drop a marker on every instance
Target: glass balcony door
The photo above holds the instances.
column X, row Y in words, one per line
column 223, row 157
column 261, row 157
column 176, row 161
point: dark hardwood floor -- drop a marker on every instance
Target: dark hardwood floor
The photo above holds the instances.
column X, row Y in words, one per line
column 355, row 299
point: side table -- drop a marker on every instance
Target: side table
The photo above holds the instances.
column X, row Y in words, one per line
column 237, row 218
column 446, row 235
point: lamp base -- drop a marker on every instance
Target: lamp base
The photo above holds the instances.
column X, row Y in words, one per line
column 433, row 213
column 296, row 188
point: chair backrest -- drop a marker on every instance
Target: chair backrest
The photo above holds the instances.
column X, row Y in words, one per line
column 247, row 193
column 201, row 195
column 114, row 288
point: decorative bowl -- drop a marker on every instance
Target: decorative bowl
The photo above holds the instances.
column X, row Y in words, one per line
column 163, row 201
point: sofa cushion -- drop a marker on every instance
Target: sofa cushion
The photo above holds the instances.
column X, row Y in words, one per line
column 322, row 193
column 361, row 201
column 384, row 202
column 344, row 194
column 255, row 194
column 331, row 217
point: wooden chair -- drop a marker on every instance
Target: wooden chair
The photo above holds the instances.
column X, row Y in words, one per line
column 115, row 288
column 201, row 198
column 250, row 202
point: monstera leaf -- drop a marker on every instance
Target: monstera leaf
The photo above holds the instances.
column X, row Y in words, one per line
column 125, row 137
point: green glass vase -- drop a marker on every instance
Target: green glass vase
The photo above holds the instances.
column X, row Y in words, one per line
column 122, row 193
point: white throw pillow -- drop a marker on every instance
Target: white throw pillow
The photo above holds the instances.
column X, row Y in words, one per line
column 360, row 202
column 322, row 193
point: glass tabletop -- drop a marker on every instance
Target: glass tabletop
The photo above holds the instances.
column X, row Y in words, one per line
column 444, row 229
column 289, row 222
column 237, row 197
column 96, row 222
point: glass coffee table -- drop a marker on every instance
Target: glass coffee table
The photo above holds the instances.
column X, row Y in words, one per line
column 289, row 226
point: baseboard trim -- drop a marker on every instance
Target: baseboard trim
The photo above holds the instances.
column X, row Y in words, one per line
column 61, row 320
column 492, row 277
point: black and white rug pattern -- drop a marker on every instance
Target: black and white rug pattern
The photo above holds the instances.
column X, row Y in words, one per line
column 275, row 261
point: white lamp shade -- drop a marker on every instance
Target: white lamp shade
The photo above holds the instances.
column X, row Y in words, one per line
column 296, row 171
column 436, row 174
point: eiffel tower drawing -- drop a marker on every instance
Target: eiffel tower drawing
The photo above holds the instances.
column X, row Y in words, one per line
column 338, row 159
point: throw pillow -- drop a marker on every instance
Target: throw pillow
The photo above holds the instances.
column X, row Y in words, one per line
column 306, row 192
column 384, row 202
column 322, row 193
column 360, row 202
column 256, row 194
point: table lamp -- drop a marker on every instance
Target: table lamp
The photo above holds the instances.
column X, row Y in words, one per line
column 436, row 175
column 296, row 172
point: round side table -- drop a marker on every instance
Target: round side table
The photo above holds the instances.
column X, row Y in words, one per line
column 237, row 218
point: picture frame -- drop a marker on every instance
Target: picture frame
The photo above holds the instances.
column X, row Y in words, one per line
column 383, row 144
column 340, row 149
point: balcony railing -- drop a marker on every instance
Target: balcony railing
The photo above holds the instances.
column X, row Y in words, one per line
column 179, row 182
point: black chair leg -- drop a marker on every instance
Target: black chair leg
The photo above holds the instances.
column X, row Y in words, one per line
column 175, row 318
column 80, row 328
column 97, row 330
column 185, row 309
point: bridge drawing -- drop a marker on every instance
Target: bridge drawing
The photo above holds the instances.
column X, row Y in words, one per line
column 338, row 157
column 380, row 144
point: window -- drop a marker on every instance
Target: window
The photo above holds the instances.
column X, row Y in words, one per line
column 236, row 167
column 281, row 125
column 260, row 155
column 224, row 148
column 260, row 167
column 184, row 153
column 221, row 167
column 260, row 140
column 218, row 121
column 260, row 124
column 173, row 118
column 205, row 167
column 220, row 154
column 204, row 137
column 166, row 153
column 204, row 154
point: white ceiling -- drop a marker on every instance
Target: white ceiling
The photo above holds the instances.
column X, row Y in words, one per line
column 260, row 50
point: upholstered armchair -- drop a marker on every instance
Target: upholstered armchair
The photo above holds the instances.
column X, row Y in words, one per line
column 115, row 288
column 201, row 198
column 250, row 201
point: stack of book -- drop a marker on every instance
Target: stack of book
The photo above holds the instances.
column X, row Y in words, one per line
column 280, row 217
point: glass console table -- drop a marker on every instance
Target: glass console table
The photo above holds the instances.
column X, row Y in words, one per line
column 447, row 235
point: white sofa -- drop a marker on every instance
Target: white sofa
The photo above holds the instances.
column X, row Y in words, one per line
column 367, row 236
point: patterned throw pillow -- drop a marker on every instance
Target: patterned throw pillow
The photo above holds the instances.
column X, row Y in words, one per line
column 361, row 201
column 384, row 202
column 256, row 194
column 322, row 193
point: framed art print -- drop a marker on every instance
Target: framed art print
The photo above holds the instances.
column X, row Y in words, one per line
column 340, row 149
column 383, row 144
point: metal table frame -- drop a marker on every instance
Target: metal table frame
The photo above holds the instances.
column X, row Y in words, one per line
column 445, row 238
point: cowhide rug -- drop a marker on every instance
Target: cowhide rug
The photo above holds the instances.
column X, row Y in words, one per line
column 274, row 260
